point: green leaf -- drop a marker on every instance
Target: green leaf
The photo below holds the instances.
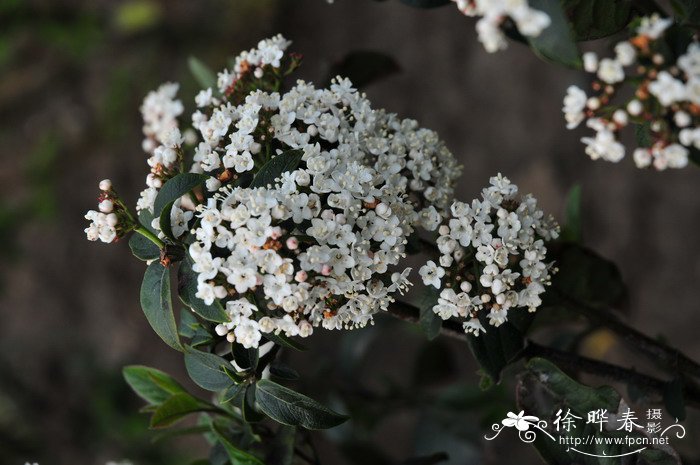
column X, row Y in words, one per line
column 594, row 19
column 156, row 304
column 273, row 169
column 429, row 322
column 235, row 455
column 572, row 230
column 143, row 248
column 165, row 223
column 234, row 394
column 206, row 370
column 205, row 77
column 426, row 3
column 291, row 408
column 364, row 67
column 689, row 11
column 175, row 188
column 153, row 386
column 187, row 290
column 176, row 408
column 556, row 42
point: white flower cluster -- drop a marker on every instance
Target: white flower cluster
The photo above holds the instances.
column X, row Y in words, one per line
column 105, row 224
column 325, row 124
column 493, row 257
column 530, row 22
column 160, row 110
column 311, row 251
column 666, row 99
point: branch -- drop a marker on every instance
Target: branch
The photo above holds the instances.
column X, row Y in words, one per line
column 655, row 349
column 569, row 361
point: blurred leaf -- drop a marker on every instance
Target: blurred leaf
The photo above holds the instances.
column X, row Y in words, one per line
column 143, row 248
column 206, row 370
column 426, row 3
column 496, row 348
column 136, row 15
column 176, row 408
column 291, row 408
column 156, row 304
column 643, row 133
column 205, row 77
column 572, row 231
column 674, row 400
column 283, row 372
column 585, row 277
column 281, row 451
column 429, row 322
column 594, row 19
column 175, row 188
column 250, row 413
column 235, row 455
column 153, row 386
column 187, row 290
column 273, row 169
column 364, row 67
column 689, row 11
column 555, row 43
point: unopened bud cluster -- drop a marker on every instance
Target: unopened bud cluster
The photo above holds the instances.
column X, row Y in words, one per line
column 111, row 220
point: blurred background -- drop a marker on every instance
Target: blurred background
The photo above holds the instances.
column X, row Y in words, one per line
column 72, row 76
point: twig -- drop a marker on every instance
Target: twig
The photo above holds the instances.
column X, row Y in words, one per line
column 567, row 360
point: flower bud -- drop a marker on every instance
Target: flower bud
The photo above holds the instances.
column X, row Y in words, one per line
column 292, row 243
column 105, row 185
column 106, row 206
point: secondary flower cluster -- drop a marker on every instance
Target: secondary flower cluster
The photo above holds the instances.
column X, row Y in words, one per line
column 112, row 220
column 529, row 21
column 493, row 257
column 665, row 105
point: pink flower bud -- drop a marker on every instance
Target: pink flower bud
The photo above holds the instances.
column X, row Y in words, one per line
column 292, row 243
column 301, row 276
column 105, row 185
column 326, row 270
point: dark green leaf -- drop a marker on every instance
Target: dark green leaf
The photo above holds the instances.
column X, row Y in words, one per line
column 426, row 3
column 429, row 322
column 273, row 169
column 250, row 412
column 281, row 451
column 247, row 359
column 207, row 370
column 291, row 408
column 283, row 372
column 175, row 188
column 187, row 289
column 165, row 223
column 497, row 347
column 156, row 304
column 235, row 454
column 572, row 231
column 150, row 384
column 142, row 248
column 205, row 77
column 643, row 133
column 176, row 408
column 594, row 19
column 555, row 43
column 284, row 341
column 586, row 278
column 234, row 394
column 364, row 67
column 689, row 11
column 674, row 400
